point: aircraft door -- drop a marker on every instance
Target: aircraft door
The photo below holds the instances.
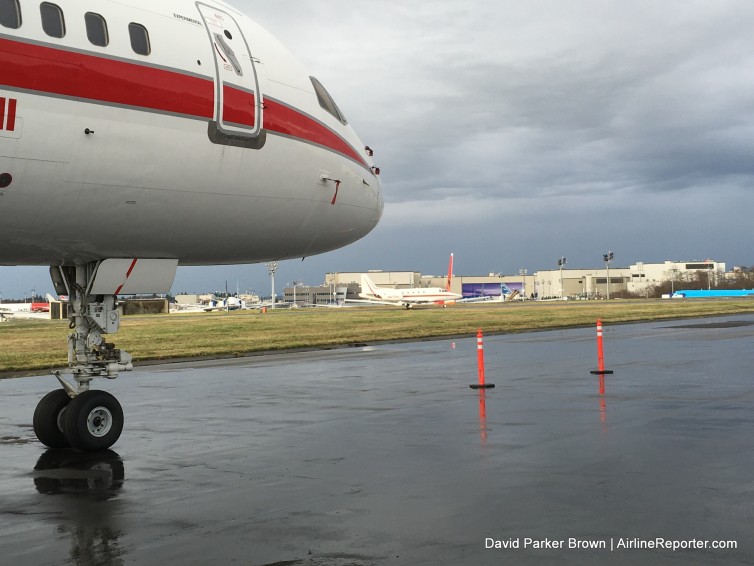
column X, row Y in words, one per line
column 239, row 102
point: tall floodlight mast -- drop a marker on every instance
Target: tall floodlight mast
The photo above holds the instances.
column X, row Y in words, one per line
column 607, row 258
column 272, row 268
column 561, row 263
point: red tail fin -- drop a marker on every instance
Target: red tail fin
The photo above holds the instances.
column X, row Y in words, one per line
column 450, row 272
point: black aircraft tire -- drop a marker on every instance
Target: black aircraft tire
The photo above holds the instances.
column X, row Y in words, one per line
column 48, row 419
column 93, row 421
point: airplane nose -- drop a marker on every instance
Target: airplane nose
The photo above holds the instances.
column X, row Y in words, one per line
column 373, row 205
column 378, row 204
column 380, row 200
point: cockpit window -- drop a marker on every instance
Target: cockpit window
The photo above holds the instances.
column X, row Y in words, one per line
column 326, row 101
column 52, row 19
column 10, row 14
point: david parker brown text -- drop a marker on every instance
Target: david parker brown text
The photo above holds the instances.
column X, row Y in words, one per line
column 546, row 543
column 614, row 544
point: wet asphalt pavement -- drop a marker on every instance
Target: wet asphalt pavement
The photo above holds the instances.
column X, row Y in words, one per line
column 383, row 455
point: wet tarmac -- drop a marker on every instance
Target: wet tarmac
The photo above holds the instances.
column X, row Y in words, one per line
column 384, row 455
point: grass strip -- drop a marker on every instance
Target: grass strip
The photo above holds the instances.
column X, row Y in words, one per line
column 40, row 345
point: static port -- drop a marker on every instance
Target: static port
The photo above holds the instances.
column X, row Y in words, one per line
column 5, row 180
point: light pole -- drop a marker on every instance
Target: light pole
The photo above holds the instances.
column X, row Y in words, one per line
column 607, row 258
column 522, row 273
column 330, row 280
column 296, row 284
column 709, row 276
column 673, row 273
column 561, row 263
column 272, row 268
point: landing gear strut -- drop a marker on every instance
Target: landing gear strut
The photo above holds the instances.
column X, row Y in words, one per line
column 75, row 415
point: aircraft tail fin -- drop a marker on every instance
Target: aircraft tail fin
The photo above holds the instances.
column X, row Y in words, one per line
column 450, row 272
column 368, row 287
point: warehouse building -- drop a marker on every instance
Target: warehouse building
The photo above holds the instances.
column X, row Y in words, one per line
column 636, row 279
column 594, row 283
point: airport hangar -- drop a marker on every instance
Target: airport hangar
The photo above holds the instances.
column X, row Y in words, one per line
column 544, row 284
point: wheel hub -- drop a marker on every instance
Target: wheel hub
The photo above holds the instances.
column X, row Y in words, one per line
column 99, row 422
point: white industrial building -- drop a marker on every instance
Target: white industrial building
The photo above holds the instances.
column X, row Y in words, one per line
column 635, row 280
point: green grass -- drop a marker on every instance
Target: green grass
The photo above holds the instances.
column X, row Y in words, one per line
column 39, row 345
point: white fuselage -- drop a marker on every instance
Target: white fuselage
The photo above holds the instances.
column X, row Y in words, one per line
column 213, row 148
column 405, row 297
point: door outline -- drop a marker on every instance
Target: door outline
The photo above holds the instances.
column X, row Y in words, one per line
column 221, row 130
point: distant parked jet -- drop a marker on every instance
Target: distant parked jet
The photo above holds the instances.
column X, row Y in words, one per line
column 404, row 297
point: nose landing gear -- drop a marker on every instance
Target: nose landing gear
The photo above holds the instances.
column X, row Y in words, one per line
column 76, row 416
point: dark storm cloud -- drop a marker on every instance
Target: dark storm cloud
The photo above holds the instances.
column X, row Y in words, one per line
column 490, row 101
column 648, row 116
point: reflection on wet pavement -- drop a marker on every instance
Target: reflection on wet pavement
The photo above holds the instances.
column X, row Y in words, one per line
column 82, row 486
column 383, row 455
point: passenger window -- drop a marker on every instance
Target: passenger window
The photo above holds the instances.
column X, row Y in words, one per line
column 139, row 39
column 52, row 19
column 326, row 101
column 96, row 29
column 10, row 14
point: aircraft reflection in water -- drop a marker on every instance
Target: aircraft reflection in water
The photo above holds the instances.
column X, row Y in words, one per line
column 86, row 485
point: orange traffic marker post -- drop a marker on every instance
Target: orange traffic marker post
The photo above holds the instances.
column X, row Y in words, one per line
column 600, row 353
column 480, row 363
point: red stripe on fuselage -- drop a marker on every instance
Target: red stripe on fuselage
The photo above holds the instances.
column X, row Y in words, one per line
column 48, row 70
column 10, row 124
column 238, row 106
column 66, row 73
column 2, row 113
column 283, row 119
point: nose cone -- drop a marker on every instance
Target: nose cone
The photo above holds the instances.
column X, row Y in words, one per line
column 372, row 205
column 373, row 185
column 379, row 203
column 368, row 197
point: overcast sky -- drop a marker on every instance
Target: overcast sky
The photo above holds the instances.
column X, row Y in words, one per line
column 513, row 133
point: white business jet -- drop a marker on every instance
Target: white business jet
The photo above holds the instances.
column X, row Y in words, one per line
column 405, row 297
column 138, row 135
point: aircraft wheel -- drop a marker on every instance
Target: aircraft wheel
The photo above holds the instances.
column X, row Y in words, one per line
column 48, row 419
column 93, row 421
